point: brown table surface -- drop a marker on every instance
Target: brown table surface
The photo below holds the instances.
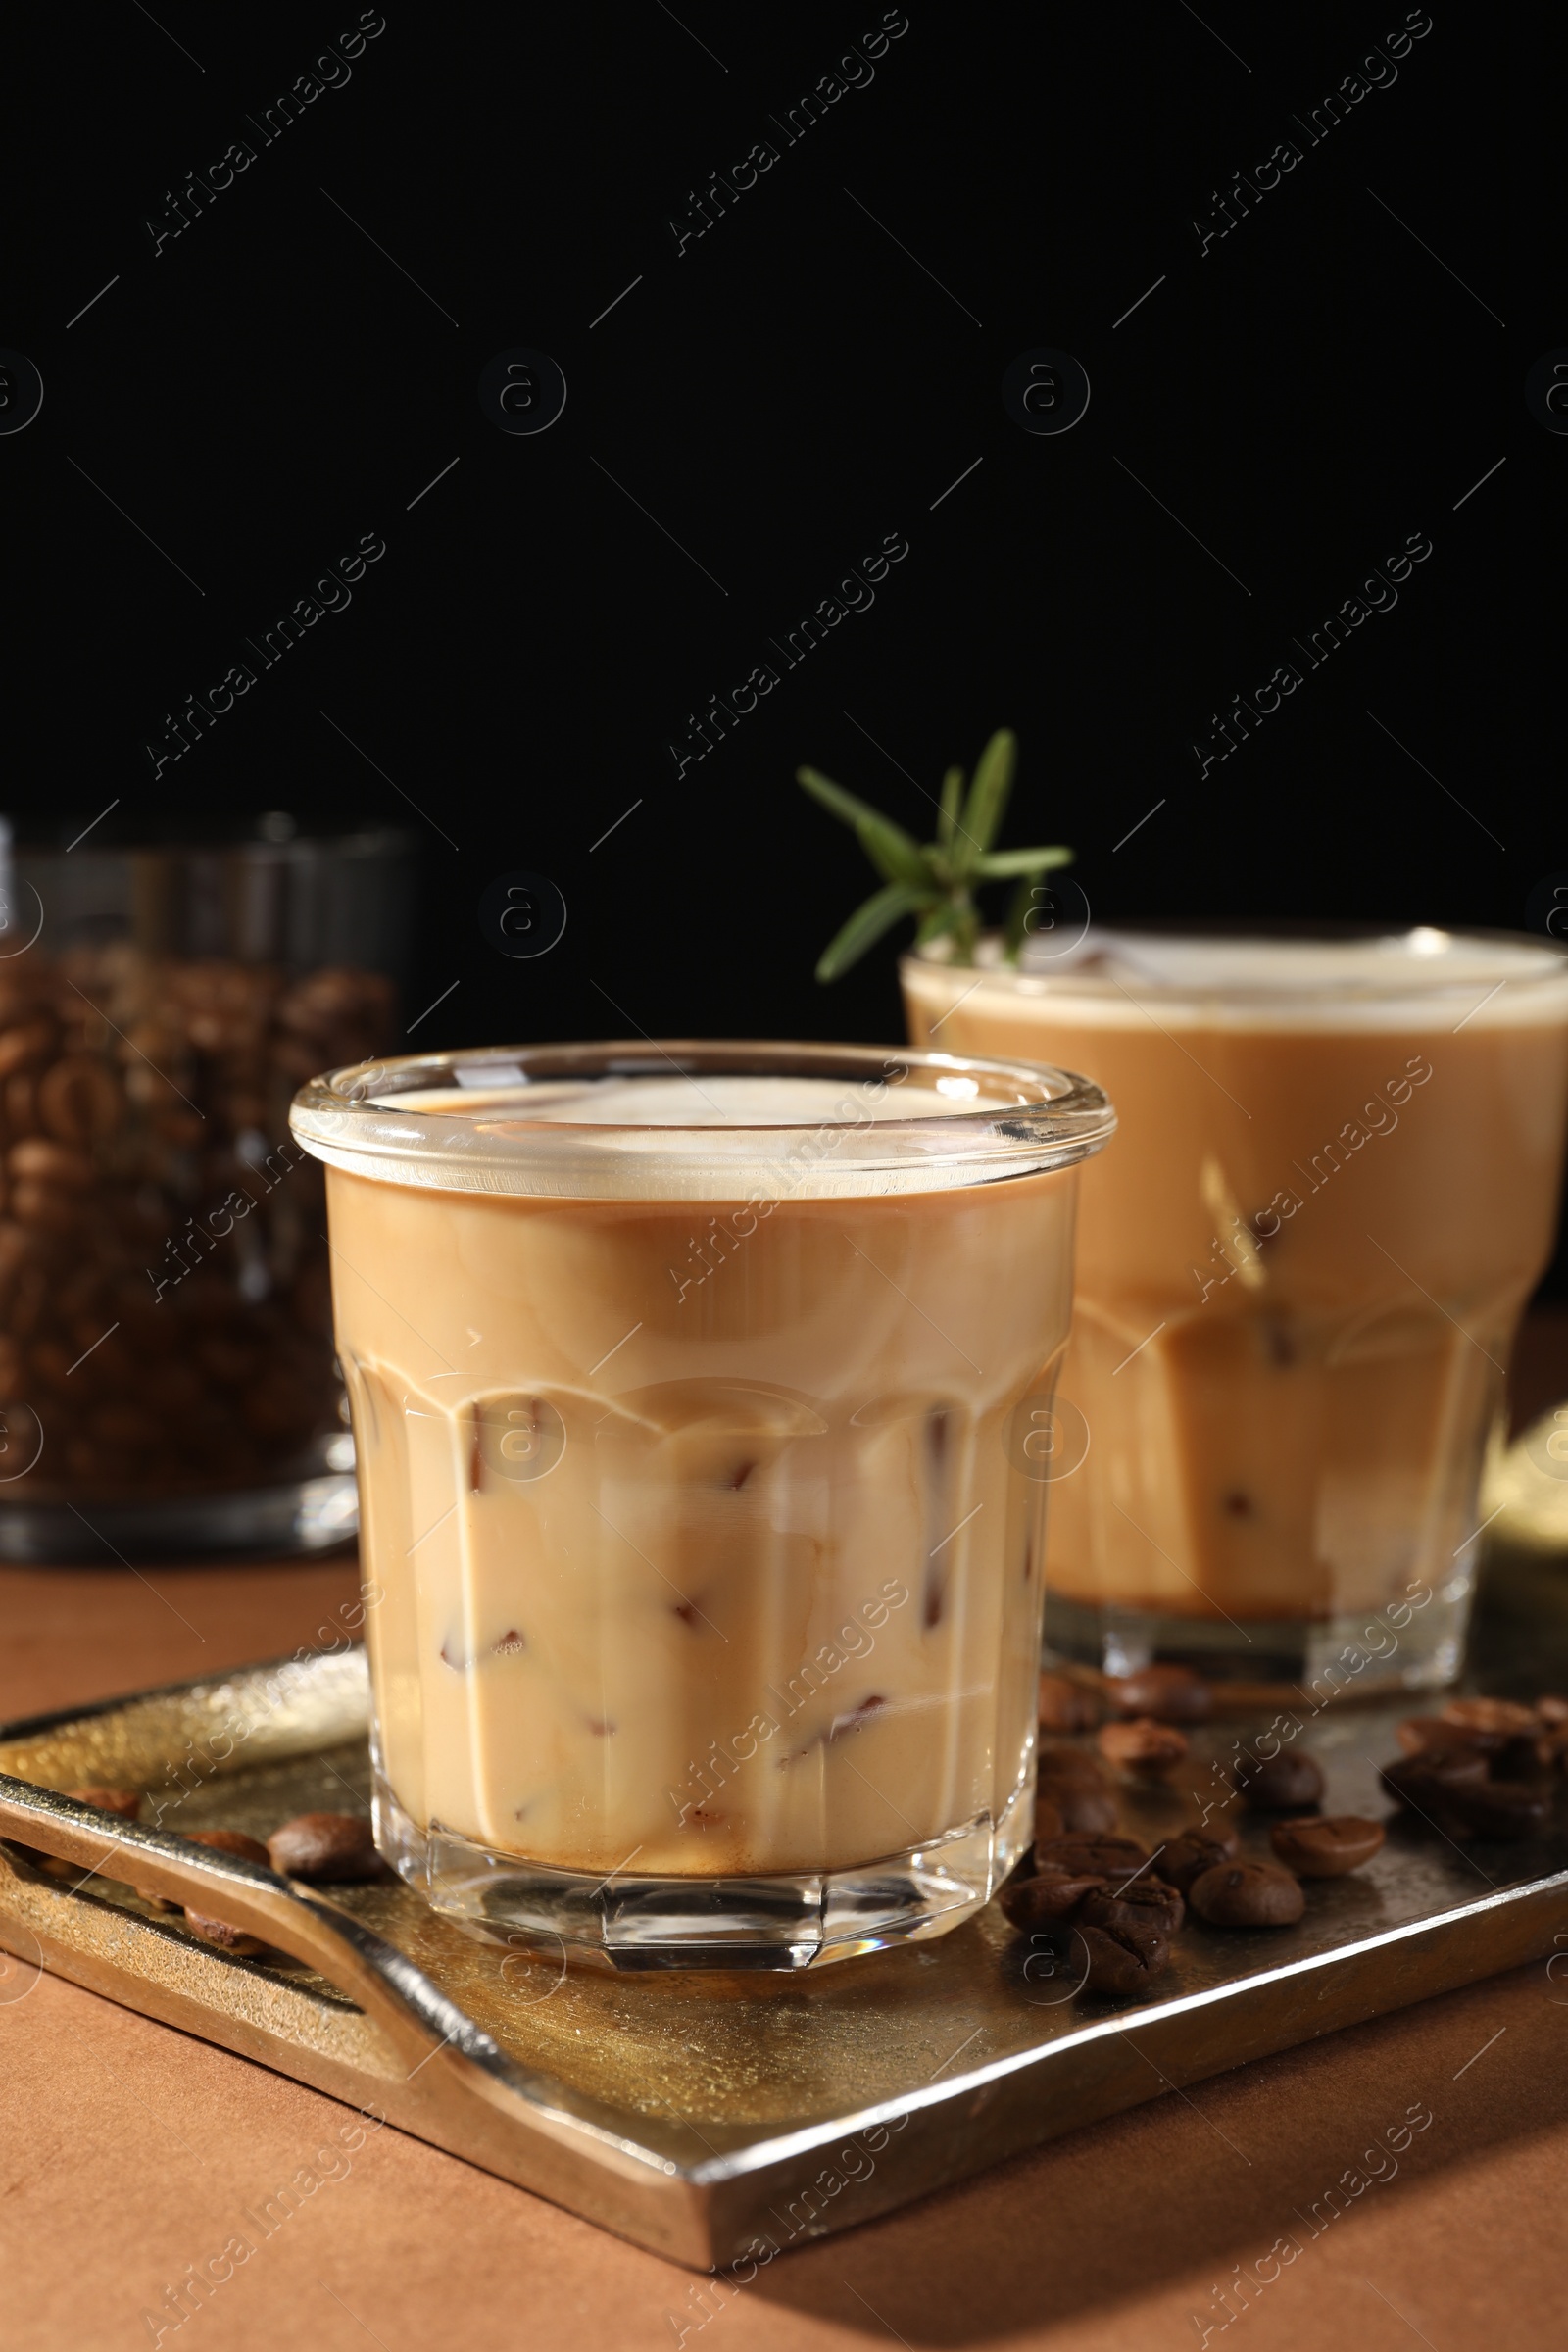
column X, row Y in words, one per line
column 128, row 2151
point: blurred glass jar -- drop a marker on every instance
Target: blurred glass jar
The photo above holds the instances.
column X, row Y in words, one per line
column 166, row 1376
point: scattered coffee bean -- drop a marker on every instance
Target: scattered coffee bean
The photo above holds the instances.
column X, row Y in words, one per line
column 1114, row 1858
column 1047, row 1897
column 1063, row 1708
column 232, row 1841
column 1141, row 1902
column 1248, row 1894
column 1553, row 1712
column 216, row 1931
column 1142, row 1747
column 1504, row 1809
column 1117, row 1960
column 1187, row 1856
column 1075, row 1764
column 1170, row 1693
column 1278, row 1783
column 1326, row 1845
column 1490, row 1719
column 327, row 1847
column 1085, row 1812
column 1427, row 1782
column 219, row 1931
column 1049, row 1822
column 1426, row 1734
column 126, row 1802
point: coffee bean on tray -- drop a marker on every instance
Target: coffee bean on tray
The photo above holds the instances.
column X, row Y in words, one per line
column 1141, row 1902
column 1061, row 1763
column 1170, row 1693
column 1326, row 1845
column 1187, row 1856
column 1085, row 1812
column 1063, row 1708
column 1248, row 1894
column 1505, row 1808
column 1114, row 1858
column 126, row 1802
column 1491, row 1719
column 1049, row 1822
column 1278, row 1783
column 1047, row 1897
column 1427, row 1783
column 326, row 1847
column 217, row 1931
column 1142, row 1747
column 1117, row 1960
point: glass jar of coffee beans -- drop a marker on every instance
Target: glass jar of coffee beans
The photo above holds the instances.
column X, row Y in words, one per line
column 167, row 1375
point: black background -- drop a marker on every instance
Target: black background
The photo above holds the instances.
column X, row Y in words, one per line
column 780, row 395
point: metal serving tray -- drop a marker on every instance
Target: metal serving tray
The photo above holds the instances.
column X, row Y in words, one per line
column 709, row 2117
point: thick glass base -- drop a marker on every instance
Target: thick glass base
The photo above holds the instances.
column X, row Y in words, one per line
column 1416, row 1643
column 300, row 1515
column 799, row 1920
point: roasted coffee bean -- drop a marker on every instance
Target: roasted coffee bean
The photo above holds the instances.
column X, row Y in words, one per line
column 1504, row 1809
column 326, row 1848
column 27, row 1042
column 1049, row 1822
column 1047, row 1897
column 1530, row 1757
column 232, row 1841
column 1428, row 1734
column 1427, row 1782
column 1114, row 1858
column 1248, row 1894
column 1553, row 1712
column 78, row 1101
column 1490, row 1719
column 1278, row 1783
column 1187, row 1856
column 219, row 1931
column 1326, row 1845
column 126, row 1802
column 36, row 1157
column 1170, row 1693
column 1074, row 1764
column 1063, row 1708
column 1142, row 1747
column 1085, row 1812
column 1116, row 1960
column 1141, row 1902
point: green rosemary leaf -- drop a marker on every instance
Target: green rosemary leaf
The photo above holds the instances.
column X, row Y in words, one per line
column 998, row 863
column 894, row 856
column 952, row 802
column 865, row 927
column 841, row 804
column 942, row 920
column 988, row 793
column 1017, row 923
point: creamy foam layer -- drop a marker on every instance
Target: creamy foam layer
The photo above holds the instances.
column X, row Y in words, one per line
column 710, row 1102
column 1417, row 979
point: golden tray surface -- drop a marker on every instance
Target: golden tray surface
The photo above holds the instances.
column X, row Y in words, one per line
column 707, row 2115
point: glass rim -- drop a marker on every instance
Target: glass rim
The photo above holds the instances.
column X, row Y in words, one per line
column 366, row 1119
column 1424, row 962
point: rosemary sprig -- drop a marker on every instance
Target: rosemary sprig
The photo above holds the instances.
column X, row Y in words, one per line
column 937, row 880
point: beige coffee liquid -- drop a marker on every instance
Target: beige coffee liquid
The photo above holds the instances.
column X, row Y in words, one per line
column 699, row 1545
column 1300, row 1270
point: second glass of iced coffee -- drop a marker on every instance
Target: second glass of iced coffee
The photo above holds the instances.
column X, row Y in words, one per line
column 1299, row 1275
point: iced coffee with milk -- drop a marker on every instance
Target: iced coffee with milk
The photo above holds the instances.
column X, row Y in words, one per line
column 1299, row 1275
column 685, row 1386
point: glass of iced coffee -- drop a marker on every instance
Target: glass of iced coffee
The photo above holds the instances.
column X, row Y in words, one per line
column 690, row 1387
column 1298, row 1280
